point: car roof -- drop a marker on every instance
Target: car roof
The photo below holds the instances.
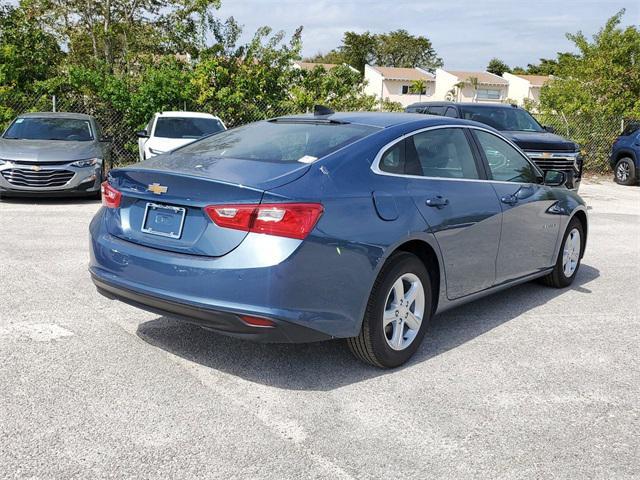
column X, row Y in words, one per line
column 374, row 119
column 183, row 114
column 77, row 116
column 463, row 104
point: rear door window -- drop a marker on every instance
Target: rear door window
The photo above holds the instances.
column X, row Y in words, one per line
column 392, row 160
column 442, row 153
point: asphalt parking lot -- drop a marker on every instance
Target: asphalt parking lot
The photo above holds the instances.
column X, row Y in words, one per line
column 532, row 382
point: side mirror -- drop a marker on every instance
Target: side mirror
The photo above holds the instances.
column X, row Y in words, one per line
column 106, row 139
column 142, row 134
column 549, row 129
column 554, row 178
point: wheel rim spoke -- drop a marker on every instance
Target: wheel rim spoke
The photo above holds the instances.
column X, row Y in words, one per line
column 389, row 316
column 412, row 321
column 571, row 253
column 398, row 291
column 398, row 334
column 411, row 294
column 405, row 307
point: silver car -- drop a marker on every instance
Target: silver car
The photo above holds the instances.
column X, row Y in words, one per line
column 53, row 154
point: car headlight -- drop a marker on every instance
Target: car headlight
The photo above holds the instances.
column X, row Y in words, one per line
column 155, row 152
column 89, row 162
column 2, row 162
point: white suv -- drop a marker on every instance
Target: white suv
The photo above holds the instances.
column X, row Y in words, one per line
column 167, row 131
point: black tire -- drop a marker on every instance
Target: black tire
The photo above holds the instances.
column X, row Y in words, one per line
column 557, row 278
column 625, row 172
column 371, row 345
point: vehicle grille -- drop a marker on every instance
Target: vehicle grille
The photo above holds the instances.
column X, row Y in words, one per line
column 553, row 164
column 43, row 178
column 553, row 160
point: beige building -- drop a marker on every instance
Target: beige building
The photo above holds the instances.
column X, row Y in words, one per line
column 395, row 84
column 462, row 86
column 523, row 87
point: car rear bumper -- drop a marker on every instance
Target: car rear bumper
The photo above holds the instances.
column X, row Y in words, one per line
column 227, row 323
column 320, row 286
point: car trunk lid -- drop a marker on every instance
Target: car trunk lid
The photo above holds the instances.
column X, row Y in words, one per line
column 162, row 203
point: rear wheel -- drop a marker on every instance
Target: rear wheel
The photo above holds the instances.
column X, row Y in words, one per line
column 397, row 314
column 568, row 262
column 625, row 172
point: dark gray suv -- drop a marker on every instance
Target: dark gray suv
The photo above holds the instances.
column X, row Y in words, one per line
column 547, row 150
column 53, row 154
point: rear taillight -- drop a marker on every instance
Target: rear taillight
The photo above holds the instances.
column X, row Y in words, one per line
column 110, row 196
column 293, row 220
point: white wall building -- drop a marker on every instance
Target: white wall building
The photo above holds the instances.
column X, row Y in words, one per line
column 458, row 86
column 523, row 87
column 395, row 84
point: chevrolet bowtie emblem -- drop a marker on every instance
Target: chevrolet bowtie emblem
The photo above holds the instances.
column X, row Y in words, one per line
column 157, row 188
column 36, row 168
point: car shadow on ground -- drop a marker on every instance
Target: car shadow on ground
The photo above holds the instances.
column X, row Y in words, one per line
column 329, row 365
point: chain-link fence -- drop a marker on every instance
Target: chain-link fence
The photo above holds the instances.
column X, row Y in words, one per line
column 117, row 124
column 595, row 135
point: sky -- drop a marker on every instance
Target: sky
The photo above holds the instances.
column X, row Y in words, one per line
column 465, row 33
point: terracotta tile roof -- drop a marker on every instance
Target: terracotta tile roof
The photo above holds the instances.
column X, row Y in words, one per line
column 536, row 80
column 483, row 77
column 393, row 73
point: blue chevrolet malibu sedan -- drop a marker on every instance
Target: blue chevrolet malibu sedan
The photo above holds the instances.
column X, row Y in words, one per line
column 334, row 225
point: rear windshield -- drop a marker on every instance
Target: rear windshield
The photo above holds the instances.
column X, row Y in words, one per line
column 500, row 118
column 34, row 128
column 184, row 127
column 280, row 141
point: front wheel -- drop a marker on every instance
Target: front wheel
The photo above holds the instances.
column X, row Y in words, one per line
column 568, row 262
column 625, row 172
column 397, row 314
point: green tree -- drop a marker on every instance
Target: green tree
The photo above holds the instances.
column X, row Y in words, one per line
column 27, row 53
column 401, row 49
column 340, row 88
column 497, row 67
column 394, row 49
column 603, row 78
column 419, row 87
column 111, row 33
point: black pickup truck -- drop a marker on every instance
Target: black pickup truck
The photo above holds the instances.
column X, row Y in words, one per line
column 548, row 150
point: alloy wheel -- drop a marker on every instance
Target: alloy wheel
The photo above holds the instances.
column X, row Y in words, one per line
column 623, row 171
column 404, row 311
column 571, row 253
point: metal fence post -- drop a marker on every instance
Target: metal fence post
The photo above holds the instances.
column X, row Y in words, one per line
column 53, row 102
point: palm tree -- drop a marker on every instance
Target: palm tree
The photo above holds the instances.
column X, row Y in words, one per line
column 419, row 87
column 474, row 82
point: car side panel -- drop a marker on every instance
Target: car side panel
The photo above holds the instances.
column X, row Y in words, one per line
column 352, row 240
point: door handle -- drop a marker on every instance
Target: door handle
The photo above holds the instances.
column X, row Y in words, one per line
column 438, row 202
column 509, row 199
